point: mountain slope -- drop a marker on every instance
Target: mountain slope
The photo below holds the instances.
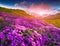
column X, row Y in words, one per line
column 15, row 12
column 52, row 17
column 20, row 30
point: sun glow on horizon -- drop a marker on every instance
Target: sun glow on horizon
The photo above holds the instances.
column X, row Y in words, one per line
column 41, row 10
column 41, row 13
column 38, row 11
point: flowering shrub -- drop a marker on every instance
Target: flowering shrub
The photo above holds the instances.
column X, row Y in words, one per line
column 21, row 31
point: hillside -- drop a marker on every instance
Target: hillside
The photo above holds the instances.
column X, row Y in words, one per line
column 53, row 19
column 15, row 12
column 21, row 29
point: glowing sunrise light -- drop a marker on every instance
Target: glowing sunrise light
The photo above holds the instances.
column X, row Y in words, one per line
column 42, row 13
column 41, row 10
column 35, row 10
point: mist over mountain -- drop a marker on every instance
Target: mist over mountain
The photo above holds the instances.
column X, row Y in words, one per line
column 56, row 16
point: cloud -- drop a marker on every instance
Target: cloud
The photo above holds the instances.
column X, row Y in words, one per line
column 16, row 5
column 41, row 6
column 41, row 9
column 21, row 4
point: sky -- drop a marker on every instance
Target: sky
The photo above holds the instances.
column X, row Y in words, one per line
column 39, row 7
column 54, row 3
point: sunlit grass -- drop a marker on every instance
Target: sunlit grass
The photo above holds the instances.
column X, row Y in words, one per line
column 55, row 22
column 15, row 12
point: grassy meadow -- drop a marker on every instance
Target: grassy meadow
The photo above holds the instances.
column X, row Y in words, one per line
column 55, row 22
